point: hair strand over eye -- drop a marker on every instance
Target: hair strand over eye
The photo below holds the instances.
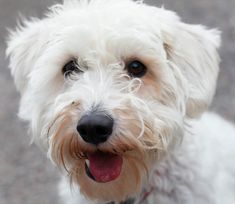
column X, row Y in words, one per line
column 70, row 68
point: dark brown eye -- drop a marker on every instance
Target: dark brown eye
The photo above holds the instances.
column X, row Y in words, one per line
column 70, row 68
column 136, row 69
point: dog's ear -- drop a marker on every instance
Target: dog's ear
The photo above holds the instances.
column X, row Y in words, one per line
column 24, row 46
column 193, row 49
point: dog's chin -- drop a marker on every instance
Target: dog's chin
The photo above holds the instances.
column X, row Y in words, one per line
column 110, row 177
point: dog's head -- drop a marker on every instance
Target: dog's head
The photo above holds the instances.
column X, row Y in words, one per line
column 107, row 86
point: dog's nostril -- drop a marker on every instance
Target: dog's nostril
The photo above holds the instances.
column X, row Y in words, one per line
column 81, row 130
column 102, row 130
column 95, row 128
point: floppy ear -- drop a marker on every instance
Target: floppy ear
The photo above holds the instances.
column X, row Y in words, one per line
column 193, row 48
column 23, row 48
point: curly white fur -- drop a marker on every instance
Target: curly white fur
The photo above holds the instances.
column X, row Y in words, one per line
column 166, row 145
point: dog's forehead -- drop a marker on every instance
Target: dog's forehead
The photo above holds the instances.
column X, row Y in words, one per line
column 124, row 11
column 85, row 38
column 109, row 29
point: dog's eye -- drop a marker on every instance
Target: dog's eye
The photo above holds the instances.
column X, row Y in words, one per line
column 70, row 67
column 136, row 68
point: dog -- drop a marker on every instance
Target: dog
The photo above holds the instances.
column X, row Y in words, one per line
column 116, row 93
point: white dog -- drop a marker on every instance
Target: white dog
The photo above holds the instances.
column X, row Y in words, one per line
column 114, row 92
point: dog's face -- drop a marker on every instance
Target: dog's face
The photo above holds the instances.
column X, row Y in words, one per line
column 107, row 87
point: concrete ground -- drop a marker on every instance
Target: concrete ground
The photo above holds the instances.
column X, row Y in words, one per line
column 26, row 177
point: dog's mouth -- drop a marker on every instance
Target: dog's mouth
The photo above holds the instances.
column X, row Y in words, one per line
column 103, row 167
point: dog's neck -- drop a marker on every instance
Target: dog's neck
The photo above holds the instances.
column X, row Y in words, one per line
column 129, row 201
column 141, row 200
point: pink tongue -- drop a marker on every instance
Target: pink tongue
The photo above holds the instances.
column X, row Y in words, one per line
column 105, row 167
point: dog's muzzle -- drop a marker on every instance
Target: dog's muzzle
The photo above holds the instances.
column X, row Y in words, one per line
column 95, row 128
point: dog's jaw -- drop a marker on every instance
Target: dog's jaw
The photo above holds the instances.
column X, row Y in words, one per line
column 117, row 164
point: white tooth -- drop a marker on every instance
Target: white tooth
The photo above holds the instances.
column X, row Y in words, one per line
column 87, row 162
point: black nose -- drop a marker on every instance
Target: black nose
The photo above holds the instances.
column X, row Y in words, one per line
column 95, row 128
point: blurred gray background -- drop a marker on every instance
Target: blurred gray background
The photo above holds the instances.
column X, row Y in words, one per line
column 26, row 177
